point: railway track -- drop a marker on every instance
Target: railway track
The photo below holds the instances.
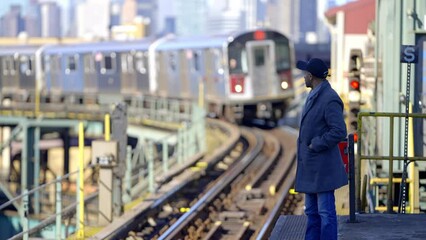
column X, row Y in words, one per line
column 240, row 210
column 240, row 196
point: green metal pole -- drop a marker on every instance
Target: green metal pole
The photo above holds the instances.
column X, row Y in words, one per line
column 58, row 208
column 24, row 215
column 179, row 145
column 24, row 160
column 358, row 165
column 128, row 176
column 165, row 156
column 36, row 169
column 390, row 181
column 151, row 173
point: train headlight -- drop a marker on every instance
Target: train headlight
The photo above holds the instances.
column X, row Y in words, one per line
column 238, row 88
column 237, row 84
column 284, row 85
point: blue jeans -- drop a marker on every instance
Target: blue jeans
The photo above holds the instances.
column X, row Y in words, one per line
column 322, row 220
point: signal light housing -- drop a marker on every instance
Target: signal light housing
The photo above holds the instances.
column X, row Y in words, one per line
column 354, row 84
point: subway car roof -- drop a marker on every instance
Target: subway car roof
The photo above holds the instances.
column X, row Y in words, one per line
column 18, row 49
column 212, row 41
column 107, row 46
column 194, row 42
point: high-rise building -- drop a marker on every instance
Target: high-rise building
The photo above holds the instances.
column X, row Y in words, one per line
column 12, row 22
column 72, row 18
column 308, row 21
column 282, row 16
column 6, row 4
column 190, row 17
column 148, row 10
column 115, row 14
column 129, row 11
column 170, row 25
column 32, row 19
column 97, row 13
column 225, row 18
column 166, row 17
column 225, row 22
column 50, row 20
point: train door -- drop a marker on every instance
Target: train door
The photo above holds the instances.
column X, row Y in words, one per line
column 27, row 73
column 90, row 79
column 184, row 74
column 162, row 73
column 196, row 71
column 73, row 75
column 142, row 72
column 128, row 77
column 109, row 77
column 261, row 56
column 210, row 80
column 215, row 86
column 10, row 76
column 173, row 82
column 55, row 77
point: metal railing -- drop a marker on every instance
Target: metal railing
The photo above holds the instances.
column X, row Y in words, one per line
column 52, row 192
column 149, row 159
column 153, row 159
column 363, row 153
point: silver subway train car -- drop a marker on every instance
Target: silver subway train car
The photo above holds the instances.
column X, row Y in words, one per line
column 245, row 75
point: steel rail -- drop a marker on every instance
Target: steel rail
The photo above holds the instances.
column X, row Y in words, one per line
column 173, row 231
column 129, row 222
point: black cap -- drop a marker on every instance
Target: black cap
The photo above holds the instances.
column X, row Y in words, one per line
column 315, row 66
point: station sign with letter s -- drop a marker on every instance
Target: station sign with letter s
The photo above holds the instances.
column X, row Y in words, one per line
column 409, row 54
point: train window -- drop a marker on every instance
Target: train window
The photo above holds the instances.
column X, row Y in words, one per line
column 54, row 65
column 26, row 65
column 196, row 61
column 140, row 63
column 127, row 63
column 71, row 63
column 89, row 65
column 259, row 57
column 9, row 66
column 282, row 55
column 244, row 61
column 172, row 61
column 5, row 67
column 47, row 64
column 218, row 61
column 108, row 63
column 237, row 56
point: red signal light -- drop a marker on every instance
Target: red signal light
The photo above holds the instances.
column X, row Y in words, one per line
column 259, row 35
column 355, row 137
column 354, row 84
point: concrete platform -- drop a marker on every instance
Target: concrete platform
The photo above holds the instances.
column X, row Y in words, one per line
column 369, row 226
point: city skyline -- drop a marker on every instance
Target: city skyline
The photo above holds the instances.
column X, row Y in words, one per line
column 177, row 16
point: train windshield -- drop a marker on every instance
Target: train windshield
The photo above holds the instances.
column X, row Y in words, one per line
column 282, row 55
column 237, row 59
column 237, row 53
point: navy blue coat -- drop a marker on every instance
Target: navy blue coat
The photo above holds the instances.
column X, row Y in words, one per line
column 321, row 168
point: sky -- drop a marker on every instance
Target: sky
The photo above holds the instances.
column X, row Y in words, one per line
column 165, row 6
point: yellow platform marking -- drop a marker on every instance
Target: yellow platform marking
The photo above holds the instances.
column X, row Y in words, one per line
column 292, row 191
column 272, row 190
column 88, row 232
column 201, row 164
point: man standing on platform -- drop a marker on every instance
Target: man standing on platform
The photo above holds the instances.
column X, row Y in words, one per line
column 320, row 169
